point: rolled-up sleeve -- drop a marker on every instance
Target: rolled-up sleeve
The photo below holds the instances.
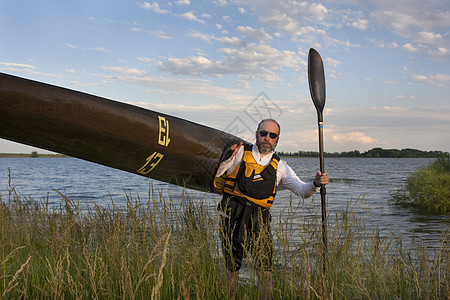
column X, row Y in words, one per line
column 287, row 178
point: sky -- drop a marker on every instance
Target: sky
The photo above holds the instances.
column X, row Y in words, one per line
column 228, row 63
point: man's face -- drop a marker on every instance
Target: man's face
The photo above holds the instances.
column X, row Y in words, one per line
column 266, row 143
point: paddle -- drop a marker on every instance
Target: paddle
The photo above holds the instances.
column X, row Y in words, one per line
column 316, row 78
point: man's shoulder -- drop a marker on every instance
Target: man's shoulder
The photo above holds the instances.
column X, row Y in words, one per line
column 248, row 147
column 280, row 160
column 275, row 156
column 282, row 165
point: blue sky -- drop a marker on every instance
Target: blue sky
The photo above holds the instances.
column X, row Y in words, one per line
column 225, row 64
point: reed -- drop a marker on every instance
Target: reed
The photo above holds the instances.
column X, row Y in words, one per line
column 428, row 187
column 160, row 248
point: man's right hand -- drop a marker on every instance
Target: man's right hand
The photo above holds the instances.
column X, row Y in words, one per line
column 232, row 151
column 235, row 148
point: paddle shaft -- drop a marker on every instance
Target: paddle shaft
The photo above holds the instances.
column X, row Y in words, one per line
column 316, row 78
column 322, row 188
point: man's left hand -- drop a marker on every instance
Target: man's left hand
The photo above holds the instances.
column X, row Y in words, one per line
column 321, row 178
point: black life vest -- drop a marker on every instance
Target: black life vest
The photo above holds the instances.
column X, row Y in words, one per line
column 251, row 180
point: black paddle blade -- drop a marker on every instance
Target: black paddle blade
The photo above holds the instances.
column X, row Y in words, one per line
column 316, row 78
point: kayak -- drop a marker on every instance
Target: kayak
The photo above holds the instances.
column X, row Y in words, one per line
column 111, row 133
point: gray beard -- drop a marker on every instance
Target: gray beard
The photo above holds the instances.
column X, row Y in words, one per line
column 265, row 148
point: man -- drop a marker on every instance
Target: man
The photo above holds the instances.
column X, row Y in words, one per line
column 249, row 179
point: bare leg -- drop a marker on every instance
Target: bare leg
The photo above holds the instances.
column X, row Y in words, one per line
column 4, row 210
column 233, row 283
column 265, row 285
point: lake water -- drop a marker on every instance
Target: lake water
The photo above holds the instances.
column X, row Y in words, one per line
column 364, row 182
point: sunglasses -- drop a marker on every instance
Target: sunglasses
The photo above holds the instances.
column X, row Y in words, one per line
column 272, row 135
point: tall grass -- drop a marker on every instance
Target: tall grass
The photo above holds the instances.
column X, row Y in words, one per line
column 428, row 187
column 160, row 248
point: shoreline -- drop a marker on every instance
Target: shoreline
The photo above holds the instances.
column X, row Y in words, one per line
column 23, row 155
column 26, row 155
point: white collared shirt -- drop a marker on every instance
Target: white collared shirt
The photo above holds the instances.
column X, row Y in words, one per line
column 286, row 177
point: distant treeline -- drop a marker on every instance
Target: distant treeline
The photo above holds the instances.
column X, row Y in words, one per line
column 375, row 152
column 33, row 154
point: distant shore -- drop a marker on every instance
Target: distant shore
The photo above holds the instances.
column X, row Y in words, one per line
column 372, row 153
column 21, row 155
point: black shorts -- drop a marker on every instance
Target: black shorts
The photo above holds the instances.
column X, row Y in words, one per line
column 245, row 228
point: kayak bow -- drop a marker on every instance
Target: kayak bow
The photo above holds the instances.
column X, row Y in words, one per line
column 110, row 133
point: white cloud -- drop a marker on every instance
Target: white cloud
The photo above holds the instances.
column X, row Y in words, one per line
column 73, row 71
column 243, row 83
column 175, row 85
column 231, row 41
column 440, row 80
column 161, row 34
column 17, row 65
column 191, row 17
column 383, row 43
column 192, row 66
column 183, row 2
column 201, row 36
column 361, row 24
column 101, row 49
column 97, row 49
column 135, row 29
column 392, row 45
column 320, row 11
column 284, row 23
column 354, row 137
column 429, row 37
column 410, row 48
column 387, row 125
column 248, row 32
column 72, row 46
column 163, row 92
column 125, row 71
column 158, row 33
column 285, row 15
column 405, row 16
column 256, row 34
column 407, row 119
column 25, row 68
column 403, row 115
column 391, row 82
column 442, row 50
column 420, row 78
column 146, row 59
column 332, row 42
column 221, row 3
column 250, row 62
column 332, row 62
column 155, row 8
column 424, row 25
column 209, row 108
column 431, row 51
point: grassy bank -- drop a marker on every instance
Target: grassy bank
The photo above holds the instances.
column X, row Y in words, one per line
column 158, row 248
column 428, row 187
